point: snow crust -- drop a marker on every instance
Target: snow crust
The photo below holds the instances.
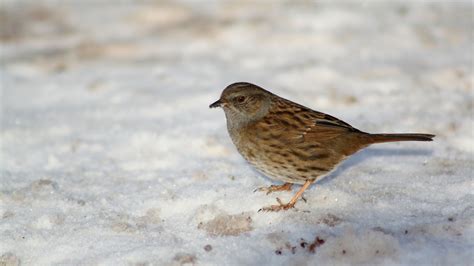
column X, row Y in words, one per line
column 110, row 155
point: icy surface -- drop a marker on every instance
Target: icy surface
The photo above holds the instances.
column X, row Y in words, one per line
column 110, row 155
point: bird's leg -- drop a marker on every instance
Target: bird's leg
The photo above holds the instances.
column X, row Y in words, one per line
column 273, row 188
column 292, row 202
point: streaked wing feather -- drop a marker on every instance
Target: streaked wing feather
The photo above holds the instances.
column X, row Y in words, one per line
column 294, row 123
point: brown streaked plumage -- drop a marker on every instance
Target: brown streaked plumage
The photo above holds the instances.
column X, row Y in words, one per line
column 290, row 142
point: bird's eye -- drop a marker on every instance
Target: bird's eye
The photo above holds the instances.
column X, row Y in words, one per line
column 241, row 99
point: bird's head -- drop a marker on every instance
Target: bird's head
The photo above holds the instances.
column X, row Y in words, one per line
column 243, row 103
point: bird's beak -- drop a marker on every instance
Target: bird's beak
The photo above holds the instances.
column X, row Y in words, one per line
column 217, row 103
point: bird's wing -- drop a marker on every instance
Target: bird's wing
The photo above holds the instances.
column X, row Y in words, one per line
column 293, row 124
column 308, row 135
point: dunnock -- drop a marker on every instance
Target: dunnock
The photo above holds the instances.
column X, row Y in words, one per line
column 289, row 142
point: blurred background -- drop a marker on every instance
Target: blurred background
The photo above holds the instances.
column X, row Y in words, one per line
column 107, row 69
column 104, row 104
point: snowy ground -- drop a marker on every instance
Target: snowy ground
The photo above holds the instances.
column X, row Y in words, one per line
column 110, row 155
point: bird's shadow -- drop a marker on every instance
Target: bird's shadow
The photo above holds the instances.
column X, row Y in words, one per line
column 369, row 153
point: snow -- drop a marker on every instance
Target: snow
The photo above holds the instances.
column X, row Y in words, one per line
column 110, row 155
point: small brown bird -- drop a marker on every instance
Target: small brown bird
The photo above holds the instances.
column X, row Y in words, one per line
column 289, row 142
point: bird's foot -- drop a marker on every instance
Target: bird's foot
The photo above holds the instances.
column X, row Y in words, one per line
column 280, row 207
column 274, row 188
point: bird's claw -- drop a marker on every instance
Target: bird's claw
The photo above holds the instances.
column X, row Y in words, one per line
column 280, row 207
column 274, row 188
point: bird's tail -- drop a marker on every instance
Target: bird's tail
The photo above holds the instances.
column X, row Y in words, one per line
column 380, row 138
